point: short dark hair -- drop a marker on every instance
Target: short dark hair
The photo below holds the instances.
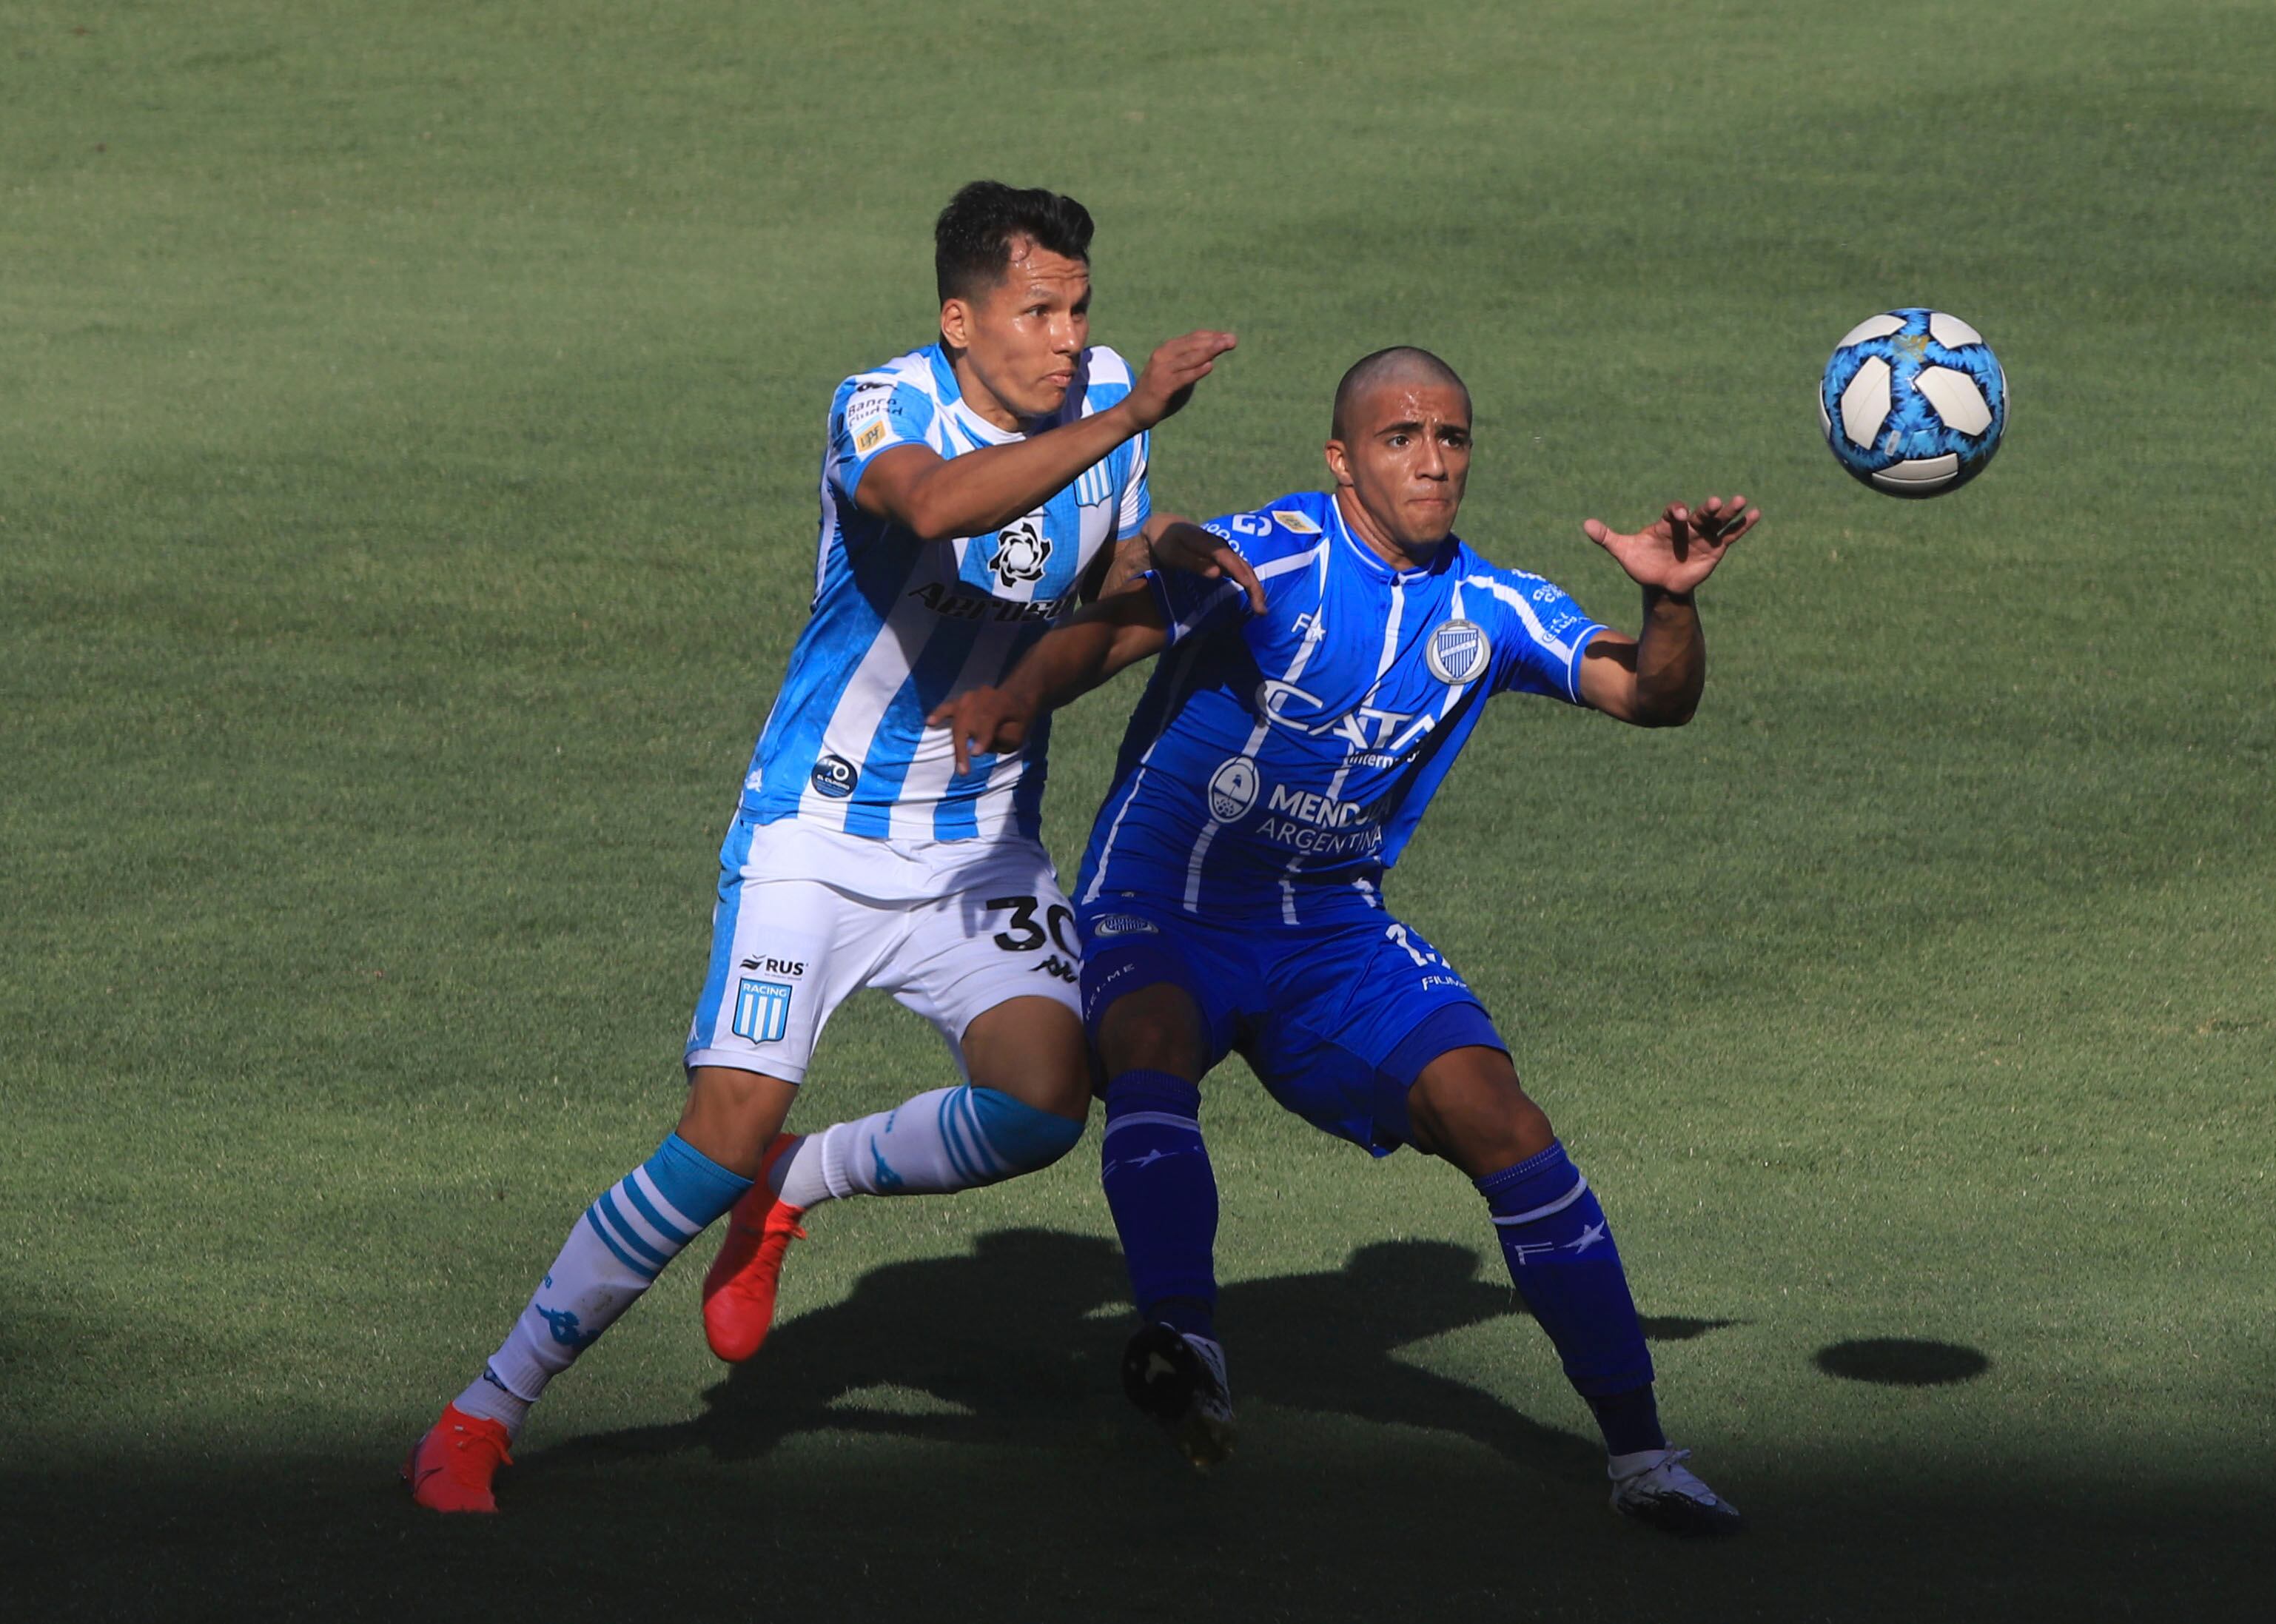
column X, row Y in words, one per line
column 1402, row 363
column 971, row 240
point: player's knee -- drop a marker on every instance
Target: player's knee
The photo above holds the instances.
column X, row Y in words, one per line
column 1153, row 1029
column 730, row 1115
column 1023, row 1138
column 1469, row 1107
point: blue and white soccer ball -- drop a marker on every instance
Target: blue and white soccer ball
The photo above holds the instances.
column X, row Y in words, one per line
column 1913, row 403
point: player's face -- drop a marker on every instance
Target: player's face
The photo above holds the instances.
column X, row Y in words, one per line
column 1406, row 459
column 1021, row 339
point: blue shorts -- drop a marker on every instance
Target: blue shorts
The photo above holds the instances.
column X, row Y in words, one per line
column 1338, row 1016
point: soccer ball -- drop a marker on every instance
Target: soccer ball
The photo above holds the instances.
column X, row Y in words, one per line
column 1913, row 403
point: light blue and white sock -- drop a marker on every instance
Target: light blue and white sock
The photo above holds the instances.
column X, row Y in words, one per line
column 950, row 1139
column 622, row 1243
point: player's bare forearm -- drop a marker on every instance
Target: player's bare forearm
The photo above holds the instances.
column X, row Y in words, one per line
column 1110, row 636
column 1129, row 561
column 1066, row 664
column 940, row 497
column 1671, row 660
column 1655, row 678
column 1178, row 544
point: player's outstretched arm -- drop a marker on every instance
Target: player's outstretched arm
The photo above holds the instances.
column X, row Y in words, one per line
column 1175, row 544
column 1171, row 541
column 1067, row 663
column 942, row 497
column 1654, row 679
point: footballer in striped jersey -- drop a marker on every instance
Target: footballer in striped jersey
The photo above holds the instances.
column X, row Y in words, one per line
column 973, row 492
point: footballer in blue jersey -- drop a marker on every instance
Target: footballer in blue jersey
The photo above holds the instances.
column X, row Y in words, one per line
column 1302, row 714
column 973, row 492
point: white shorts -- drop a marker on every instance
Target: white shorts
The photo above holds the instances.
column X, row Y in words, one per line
column 808, row 917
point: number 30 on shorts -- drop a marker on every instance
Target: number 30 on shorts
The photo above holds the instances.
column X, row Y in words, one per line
column 1025, row 935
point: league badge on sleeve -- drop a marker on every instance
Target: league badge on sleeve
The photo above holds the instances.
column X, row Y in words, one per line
column 1457, row 652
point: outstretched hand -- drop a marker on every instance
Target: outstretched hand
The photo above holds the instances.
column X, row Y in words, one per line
column 1182, row 546
column 1682, row 548
column 982, row 722
column 1171, row 373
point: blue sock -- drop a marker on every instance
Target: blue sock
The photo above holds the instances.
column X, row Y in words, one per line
column 1629, row 1421
column 1562, row 1258
column 1163, row 1194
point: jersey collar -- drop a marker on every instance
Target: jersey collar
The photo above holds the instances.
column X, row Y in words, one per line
column 1372, row 564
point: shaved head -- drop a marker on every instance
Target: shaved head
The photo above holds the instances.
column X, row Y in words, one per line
column 1402, row 364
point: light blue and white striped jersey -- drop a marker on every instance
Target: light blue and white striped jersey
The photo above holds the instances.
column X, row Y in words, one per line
column 900, row 625
column 1279, row 753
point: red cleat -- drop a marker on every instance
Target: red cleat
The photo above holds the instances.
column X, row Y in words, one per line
column 450, row 1468
column 738, row 1293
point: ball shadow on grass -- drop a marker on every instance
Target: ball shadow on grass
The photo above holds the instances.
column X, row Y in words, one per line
column 1902, row 1361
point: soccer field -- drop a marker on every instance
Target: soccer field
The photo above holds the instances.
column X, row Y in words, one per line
column 406, row 504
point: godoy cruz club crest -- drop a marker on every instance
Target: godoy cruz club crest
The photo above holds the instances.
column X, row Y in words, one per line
column 1457, row 652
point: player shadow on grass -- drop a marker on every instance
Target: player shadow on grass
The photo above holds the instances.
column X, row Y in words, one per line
column 1019, row 1343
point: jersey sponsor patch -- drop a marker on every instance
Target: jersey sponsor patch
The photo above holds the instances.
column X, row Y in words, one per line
column 1021, row 552
column 868, row 402
column 870, row 438
column 1302, row 524
column 1457, row 652
column 1108, row 925
column 835, row 776
column 1232, row 789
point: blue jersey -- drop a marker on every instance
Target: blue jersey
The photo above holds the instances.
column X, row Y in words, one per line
column 1277, row 755
column 900, row 625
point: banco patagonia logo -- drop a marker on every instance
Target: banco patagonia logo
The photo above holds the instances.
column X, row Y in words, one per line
column 762, row 1010
column 1232, row 789
column 1022, row 549
column 1457, row 652
column 835, row 776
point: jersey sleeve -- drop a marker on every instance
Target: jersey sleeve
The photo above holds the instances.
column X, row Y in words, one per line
column 871, row 415
column 1538, row 638
column 1194, row 604
column 1137, row 503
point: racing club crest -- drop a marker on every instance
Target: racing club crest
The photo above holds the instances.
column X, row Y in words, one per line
column 1457, row 652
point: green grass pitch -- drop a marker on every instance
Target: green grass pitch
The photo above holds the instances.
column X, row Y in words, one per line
column 407, row 502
